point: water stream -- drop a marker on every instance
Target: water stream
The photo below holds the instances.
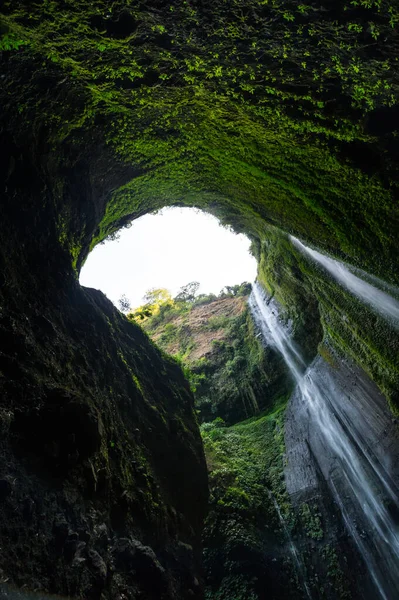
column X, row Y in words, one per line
column 292, row 548
column 360, row 483
column 380, row 301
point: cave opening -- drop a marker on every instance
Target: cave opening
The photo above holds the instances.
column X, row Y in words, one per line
column 167, row 250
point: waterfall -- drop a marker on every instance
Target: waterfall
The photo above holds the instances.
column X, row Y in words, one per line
column 378, row 300
column 362, row 487
column 292, row 548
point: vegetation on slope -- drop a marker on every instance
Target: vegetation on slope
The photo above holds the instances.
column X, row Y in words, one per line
column 246, row 554
column 247, row 544
column 231, row 374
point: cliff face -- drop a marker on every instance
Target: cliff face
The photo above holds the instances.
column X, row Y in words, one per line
column 332, row 532
column 325, row 312
column 341, row 438
column 103, row 480
column 251, row 110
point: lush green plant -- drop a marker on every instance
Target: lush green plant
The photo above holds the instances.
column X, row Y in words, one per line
column 311, row 519
column 239, row 377
column 10, row 41
column 242, row 530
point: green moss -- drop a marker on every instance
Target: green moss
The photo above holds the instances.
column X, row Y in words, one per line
column 311, row 521
column 335, row 573
column 250, row 114
column 10, row 41
column 309, row 295
column 326, row 354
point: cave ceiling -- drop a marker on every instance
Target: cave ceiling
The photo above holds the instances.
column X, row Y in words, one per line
column 258, row 111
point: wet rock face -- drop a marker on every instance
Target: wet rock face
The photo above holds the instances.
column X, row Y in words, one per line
column 99, row 442
column 329, row 494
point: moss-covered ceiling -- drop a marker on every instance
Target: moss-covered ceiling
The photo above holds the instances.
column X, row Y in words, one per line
column 254, row 109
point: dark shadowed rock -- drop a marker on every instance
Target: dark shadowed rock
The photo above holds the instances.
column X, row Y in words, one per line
column 5, row 489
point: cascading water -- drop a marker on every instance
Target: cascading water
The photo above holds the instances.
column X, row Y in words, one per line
column 359, row 481
column 292, row 548
column 378, row 300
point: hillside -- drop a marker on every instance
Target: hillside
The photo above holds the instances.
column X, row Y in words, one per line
column 202, row 325
column 240, row 389
column 232, row 376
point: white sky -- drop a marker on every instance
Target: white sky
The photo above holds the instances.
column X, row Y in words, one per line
column 168, row 250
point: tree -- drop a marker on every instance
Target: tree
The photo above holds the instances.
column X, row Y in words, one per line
column 124, row 304
column 187, row 292
column 157, row 296
column 141, row 313
column 228, row 291
column 156, row 299
column 204, row 299
column 244, row 289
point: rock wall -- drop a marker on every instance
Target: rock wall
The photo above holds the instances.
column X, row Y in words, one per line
column 103, row 482
column 326, row 504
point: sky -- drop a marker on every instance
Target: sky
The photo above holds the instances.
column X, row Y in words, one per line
column 168, row 250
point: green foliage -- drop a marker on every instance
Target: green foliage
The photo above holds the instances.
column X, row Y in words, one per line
column 242, row 530
column 157, row 296
column 311, row 520
column 218, row 422
column 217, row 322
column 244, row 289
column 156, row 300
column 204, row 299
column 242, row 377
column 10, row 41
column 238, row 378
column 335, row 573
